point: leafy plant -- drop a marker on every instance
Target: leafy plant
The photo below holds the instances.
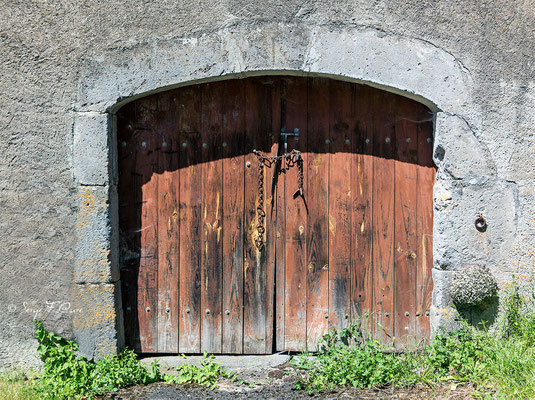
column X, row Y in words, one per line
column 207, row 374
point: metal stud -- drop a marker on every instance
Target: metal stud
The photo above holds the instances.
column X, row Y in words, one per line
column 428, row 140
column 167, row 310
column 387, row 314
column 207, row 312
column 164, row 144
column 184, row 144
column 128, row 308
column 187, row 311
column 123, row 144
column 143, row 144
column 326, row 315
column 427, row 313
column 224, row 144
column 227, row 312
column 346, row 316
column 347, row 141
column 248, row 164
column 367, row 141
column 387, row 140
column 408, row 140
column 147, row 309
column 406, row 313
column 327, row 141
column 204, row 145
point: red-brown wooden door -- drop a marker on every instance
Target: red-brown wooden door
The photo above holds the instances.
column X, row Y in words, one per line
column 359, row 247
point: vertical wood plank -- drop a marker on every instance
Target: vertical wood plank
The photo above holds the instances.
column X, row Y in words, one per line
column 211, row 259
column 405, row 216
column 296, row 218
column 146, row 169
column 279, row 102
column 232, row 229
column 272, row 224
column 362, row 272
column 129, row 222
column 257, row 123
column 317, row 227
column 168, row 229
column 190, row 214
column 426, row 180
column 383, row 214
column 340, row 191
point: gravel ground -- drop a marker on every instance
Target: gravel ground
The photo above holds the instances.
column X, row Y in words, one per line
column 279, row 383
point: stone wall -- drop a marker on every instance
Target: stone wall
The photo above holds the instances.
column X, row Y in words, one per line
column 68, row 65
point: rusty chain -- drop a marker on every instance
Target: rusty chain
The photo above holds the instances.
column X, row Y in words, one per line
column 288, row 160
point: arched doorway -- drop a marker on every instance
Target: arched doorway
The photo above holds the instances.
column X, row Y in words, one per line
column 357, row 244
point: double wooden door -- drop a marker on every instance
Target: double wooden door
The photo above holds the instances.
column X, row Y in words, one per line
column 357, row 246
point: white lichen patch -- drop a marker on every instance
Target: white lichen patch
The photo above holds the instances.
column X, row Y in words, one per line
column 472, row 285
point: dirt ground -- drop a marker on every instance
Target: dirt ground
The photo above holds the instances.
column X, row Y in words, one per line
column 279, row 383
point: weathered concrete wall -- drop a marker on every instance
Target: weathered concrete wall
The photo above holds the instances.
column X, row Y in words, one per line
column 64, row 61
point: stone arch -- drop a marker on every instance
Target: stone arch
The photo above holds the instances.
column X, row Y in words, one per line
column 410, row 67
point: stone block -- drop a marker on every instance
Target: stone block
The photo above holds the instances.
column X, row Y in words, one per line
column 97, row 320
column 97, row 254
column 93, row 149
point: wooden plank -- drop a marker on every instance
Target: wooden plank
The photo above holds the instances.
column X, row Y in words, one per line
column 383, row 213
column 129, row 220
column 146, row 168
column 232, row 222
column 317, row 227
column 272, row 224
column 257, row 123
column 168, row 229
column 405, row 216
column 426, row 180
column 190, row 214
column 342, row 124
column 362, row 273
column 296, row 222
column 279, row 111
column 211, row 258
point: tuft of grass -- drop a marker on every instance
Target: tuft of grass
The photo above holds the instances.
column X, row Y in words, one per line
column 17, row 385
column 207, row 374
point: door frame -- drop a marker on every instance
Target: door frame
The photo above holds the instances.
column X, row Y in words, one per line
column 421, row 71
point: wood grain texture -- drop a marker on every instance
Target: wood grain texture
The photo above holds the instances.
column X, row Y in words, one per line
column 168, row 227
column 405, row 216
column 383, row 215
column 296, row 222
column 233, row 169
column 341, row 127
column 257, row 124
column 190, row 218
column 317, row 227
column 146, row 166
column 211, row 258
column 362, row 272
column 426, row 180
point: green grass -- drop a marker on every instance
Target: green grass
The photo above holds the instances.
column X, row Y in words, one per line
column 16, row 385
column 500, row 364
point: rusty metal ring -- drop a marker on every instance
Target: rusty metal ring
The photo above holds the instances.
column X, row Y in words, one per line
column 481, row 223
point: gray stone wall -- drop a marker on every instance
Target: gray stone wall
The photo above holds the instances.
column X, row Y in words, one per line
column 65, row 62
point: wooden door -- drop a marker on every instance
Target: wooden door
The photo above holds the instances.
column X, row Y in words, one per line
column 358, row 245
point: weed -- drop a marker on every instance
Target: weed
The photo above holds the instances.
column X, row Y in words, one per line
column 207, row 374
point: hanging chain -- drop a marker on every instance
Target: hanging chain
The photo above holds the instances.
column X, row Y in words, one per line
column 287, row 160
